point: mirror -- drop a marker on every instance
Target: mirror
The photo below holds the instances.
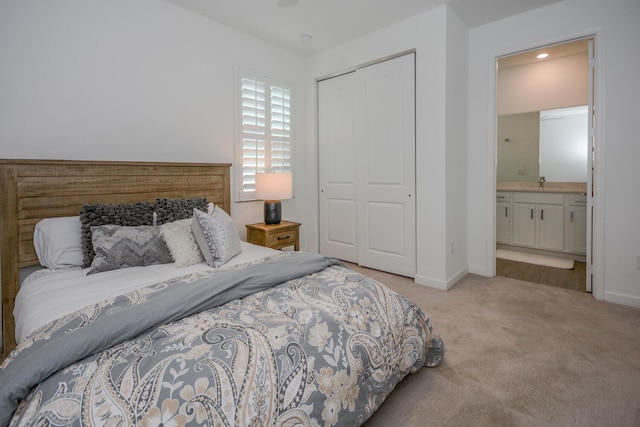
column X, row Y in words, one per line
column 551, row 143
column 564, row 144
column 542, row 114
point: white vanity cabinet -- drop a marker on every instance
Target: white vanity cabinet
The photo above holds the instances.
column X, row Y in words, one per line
column 542, row 221
column 524, row 224
column 503, row 217
column 576, row 223
column 538, row 220
column 551, row 227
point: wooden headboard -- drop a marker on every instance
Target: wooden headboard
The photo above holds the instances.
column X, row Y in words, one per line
column 32, row 190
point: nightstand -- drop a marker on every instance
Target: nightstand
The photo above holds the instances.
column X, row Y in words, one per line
column 276, row 236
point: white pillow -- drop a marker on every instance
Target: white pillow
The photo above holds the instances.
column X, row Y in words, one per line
column 181, row 242
column 58, row 242
column 216, row 235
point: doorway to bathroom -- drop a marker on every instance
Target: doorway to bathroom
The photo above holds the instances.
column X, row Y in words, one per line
column 545, row 163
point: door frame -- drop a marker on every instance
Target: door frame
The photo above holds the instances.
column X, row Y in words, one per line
column 595, row 234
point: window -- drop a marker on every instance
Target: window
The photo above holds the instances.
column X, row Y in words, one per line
column 264, row 139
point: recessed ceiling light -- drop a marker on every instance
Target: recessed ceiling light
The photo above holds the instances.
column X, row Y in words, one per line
column 306, row 38
column 542, row 55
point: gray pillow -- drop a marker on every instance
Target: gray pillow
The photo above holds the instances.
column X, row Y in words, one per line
column 121, row 247
column 216, row 235
column 92, row 215
column 170, row 210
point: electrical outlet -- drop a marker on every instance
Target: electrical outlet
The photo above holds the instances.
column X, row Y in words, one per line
column 451, row 248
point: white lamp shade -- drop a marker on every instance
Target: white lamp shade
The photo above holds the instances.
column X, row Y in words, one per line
column 274, row 186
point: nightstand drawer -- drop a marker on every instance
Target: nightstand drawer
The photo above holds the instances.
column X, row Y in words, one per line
column 282, row 238
column 276, row 236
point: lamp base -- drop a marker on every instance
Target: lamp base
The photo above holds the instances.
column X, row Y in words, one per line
column 272, row 212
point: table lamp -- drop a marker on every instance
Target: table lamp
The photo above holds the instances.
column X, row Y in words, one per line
column 272, row 187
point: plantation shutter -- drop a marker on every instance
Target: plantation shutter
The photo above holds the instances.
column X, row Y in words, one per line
column 254, row 132
column 265, row 134
column 280, row 154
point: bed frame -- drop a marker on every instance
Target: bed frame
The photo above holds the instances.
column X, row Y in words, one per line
column 31, row 190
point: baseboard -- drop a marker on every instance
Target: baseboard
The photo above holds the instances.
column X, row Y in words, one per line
column 617, row 298
column 427, row 281
column 457, row 277
column 480, row 271
column 439, row 284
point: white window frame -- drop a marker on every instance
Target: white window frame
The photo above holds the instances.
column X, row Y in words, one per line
column 267, row 158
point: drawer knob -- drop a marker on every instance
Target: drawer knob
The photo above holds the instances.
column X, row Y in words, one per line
column 284, row 238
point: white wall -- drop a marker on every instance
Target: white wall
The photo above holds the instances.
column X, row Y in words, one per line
column 553, row 83
column 122, row 80
column 130, row 80
column 456, row 146
column 440, row 42
column 617, row 206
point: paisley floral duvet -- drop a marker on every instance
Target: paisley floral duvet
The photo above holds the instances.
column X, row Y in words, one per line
column 295, row 340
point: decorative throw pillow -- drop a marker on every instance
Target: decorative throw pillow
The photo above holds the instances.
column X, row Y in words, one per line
column 216, row 235
column 121, row 247
column 93, row 215
column 170, row 210
column 181, row 242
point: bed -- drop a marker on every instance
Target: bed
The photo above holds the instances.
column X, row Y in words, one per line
column 263, row 337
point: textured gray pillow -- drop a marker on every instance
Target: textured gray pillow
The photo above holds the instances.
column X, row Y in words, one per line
column 181, row 242
column 121, row 247
column 216, row 235
column 92, row 215
column 170, row 210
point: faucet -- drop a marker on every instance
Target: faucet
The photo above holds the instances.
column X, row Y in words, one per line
column 541, row 182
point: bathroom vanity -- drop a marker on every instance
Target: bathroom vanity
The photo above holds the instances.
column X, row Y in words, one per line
column 550, row 219
column 542, row 174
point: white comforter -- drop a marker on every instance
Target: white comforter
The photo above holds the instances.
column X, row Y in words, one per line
column 47, row 295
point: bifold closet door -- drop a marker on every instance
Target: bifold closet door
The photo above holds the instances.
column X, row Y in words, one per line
column 367, row 166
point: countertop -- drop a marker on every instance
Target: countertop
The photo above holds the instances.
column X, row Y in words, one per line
column 549, row 187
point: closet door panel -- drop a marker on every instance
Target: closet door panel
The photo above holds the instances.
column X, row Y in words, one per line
column 386, row 183
column 386, row 234
column 340, row 216
column 338, row 162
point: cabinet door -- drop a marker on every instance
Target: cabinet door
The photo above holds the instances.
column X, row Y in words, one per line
column 577, row 229
column 551, row 227
column 503, row 223
column 524, row 224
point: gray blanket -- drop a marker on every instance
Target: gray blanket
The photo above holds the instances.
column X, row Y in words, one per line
column 295, row 340
column 29, row 365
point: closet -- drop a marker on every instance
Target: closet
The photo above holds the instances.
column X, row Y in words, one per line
column 366, row 138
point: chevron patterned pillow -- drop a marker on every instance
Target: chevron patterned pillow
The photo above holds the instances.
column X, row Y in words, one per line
column 92, row 215
column 121, row 247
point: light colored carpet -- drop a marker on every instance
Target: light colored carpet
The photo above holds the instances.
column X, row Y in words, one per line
column 519, row 354
column 548, row 261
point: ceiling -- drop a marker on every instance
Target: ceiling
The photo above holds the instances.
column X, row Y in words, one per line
column 554, row 51
column 334, row 22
